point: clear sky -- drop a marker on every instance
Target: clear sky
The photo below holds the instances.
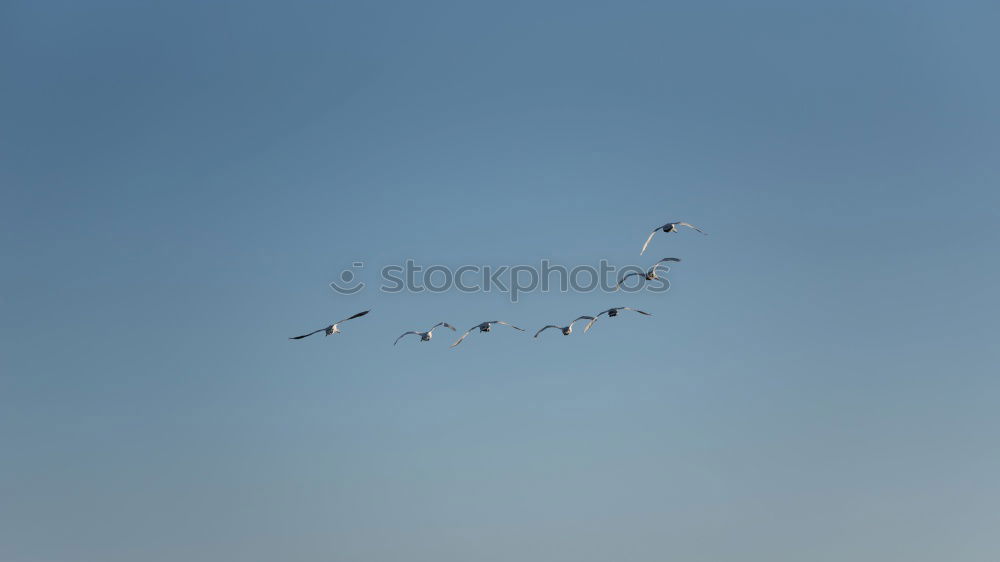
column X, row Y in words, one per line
column 181, row 181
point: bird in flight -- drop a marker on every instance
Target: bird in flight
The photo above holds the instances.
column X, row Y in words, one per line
column 612, row 312
column 332, row 328
column 566, row 330
column 649, row 275
column 669, row 227
column 484, row 327
column 425, row 336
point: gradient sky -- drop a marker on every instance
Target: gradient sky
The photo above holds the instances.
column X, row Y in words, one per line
column 180, row 182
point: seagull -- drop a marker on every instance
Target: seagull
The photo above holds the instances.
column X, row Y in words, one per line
column 669, row 227
column 612, row 312
column 425, row 336
column 484, row 327
column 566, row 330
column 332, row 328
column 649, row 275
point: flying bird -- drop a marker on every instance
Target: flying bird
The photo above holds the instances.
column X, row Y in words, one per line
column 566, row 330
column 484, row 327
column 669, row 227
column 649, row 275
column 425, row 336
column 332, row 328
column 612, row 312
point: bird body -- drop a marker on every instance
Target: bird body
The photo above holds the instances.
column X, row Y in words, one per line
column 332, row 328
column 667, row 228
column 484, row 327
column 566, row 330
column 649, row 275
column 425, row 336
column 612, row 312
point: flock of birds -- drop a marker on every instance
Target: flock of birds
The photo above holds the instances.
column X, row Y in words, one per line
column 566, row 330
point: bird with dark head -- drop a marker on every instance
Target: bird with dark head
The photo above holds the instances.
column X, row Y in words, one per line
column 649, row 275
column 667, row 228
column 484, row 327
column 425, row 336
column 612, row 312
column 332, row 328
column 566, row 330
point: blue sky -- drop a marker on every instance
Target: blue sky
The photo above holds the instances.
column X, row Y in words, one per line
column 181, row 182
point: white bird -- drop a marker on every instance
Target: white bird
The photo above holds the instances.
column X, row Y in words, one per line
column 612, row 312
column 484, row 327
column 332, row 328
column 669, row 227
column 566, row 330
column 649, row 275
column 425, row 336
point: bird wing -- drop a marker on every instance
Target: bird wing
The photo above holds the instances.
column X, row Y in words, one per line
column 651, row 234
column 580, row 318
column 635, row 310
column 508, row 324
column 445, row 324
column 404, row 335
column 657, row 264
column 594, row 319
column 622, row 280
column 546, row 328
column 309, row 334
column 689, row 225
column 358, row 315
column 465, row 335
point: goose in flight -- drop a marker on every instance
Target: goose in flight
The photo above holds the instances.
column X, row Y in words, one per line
column 649, row 275
column 332, row 328
column 612, row 312
column 425, row 336
column 566, row 330
column 484, row 327
column 669, row 227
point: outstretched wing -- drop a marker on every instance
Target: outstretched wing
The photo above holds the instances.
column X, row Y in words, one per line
column 309, row 334
column 594, row 319
column 651, row 234
column 546, row 328
column 402, row 336
column 580, row 318
column 358, row 315
column 507, row 324
column 445, row 324
column 635, row 310
column 689, row 225
column 465, row 335
column 657, row 264
column 622, row 280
